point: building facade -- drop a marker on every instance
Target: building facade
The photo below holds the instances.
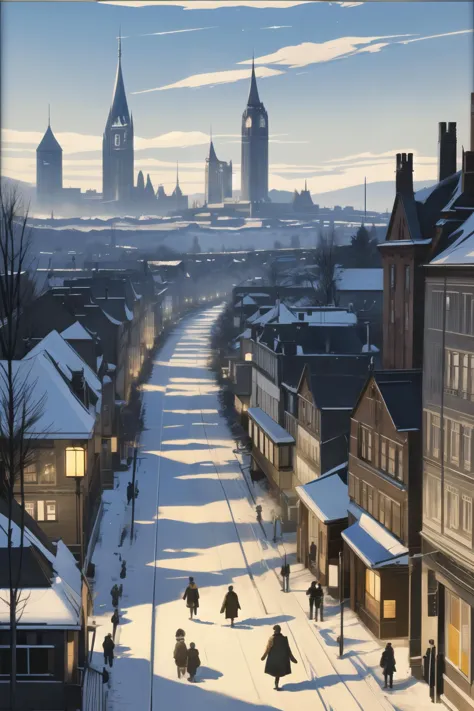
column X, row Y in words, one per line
column 49, row 169
column 218, row 181
column 254, row 168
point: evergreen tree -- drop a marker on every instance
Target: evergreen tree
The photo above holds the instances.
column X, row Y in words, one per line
column 363, row 249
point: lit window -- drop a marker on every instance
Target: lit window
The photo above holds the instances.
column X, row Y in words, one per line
column 30, row 508
column 248, row 122
column 458, row 632
column 50, row 511
column 389, row 609
column 117, row 139
column 372, row 592
column 248, row 356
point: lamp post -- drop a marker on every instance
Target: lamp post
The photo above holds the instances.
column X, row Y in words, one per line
column 76, row 469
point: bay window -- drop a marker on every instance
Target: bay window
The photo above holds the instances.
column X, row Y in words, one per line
column 372, row 592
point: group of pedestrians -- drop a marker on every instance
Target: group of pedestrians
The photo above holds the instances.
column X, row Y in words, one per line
column 186, row 660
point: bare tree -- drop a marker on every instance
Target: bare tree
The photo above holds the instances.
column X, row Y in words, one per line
column 18, row 409
column 325, row 261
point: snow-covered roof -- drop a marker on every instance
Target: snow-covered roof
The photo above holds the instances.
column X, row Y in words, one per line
column 461, row 251
column 279, row 314
column 359, row 280
column 112, row 319
column 373, row 544
column 277, row 434
column 326, row 497
column 128, row 313
column 76, row 332
column 58, row 601
column 246, row 301
column 245, row 334
column 62, row 415
column 66, row 358
column 423, row 194
column 366, row 348
column 329, row 317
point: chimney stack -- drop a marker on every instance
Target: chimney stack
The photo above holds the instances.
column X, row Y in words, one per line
column 404, row 174
column 446, row 150
column 468, row 173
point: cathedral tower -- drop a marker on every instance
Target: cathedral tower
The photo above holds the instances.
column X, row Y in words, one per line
column 49, row 167
column 117, row 144
column 254, row 147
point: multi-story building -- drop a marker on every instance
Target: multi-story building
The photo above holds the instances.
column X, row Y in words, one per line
column 49, row 169
column 218, row 184
column 384, row 483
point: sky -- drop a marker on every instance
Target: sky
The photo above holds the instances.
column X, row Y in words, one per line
column 346, row 85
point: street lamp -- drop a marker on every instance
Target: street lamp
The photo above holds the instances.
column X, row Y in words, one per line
column 76, row 469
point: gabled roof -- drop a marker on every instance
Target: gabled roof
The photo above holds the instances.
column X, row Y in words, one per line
column 66, row 359
column 61, row 413
column 49, row 142
column 76, row 332
column 401, row 392
column 327, row 497
column 335, row 392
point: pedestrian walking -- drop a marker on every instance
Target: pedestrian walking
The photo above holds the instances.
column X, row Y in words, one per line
column 231, row 605
column 285, row 574
column 191, row 595
column 429, row 668
column 312, row 554
column 123, row 570
column 311, row 592
column 193, row 661
column 180, row 655
column 115, row 593
column 319, row 603
column 108, row 647
column 129, row 492
column 115, row 620
column 278, row 655
column 387, row 662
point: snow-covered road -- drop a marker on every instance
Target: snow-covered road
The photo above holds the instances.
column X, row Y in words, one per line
column 194, row 516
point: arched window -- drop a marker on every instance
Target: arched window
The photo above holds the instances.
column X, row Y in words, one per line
column 117, row 139
column 262, row 122
column 248, row 123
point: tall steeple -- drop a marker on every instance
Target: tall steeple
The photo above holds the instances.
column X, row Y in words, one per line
column 49, row 166
column 117, row 145
column 254, row 99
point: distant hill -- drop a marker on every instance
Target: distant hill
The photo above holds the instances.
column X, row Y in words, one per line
column 380, row 196
column 27, row 190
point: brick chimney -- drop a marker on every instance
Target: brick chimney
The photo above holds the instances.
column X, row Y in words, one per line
column 404, row 174
column 468, row 173
column 447, row 150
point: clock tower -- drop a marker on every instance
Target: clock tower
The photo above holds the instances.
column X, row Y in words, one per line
column 254, row 169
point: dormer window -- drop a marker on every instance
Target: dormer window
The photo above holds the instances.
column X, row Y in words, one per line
column 248, row 122
column 117, row 140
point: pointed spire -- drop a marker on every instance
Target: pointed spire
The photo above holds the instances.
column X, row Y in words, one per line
column 177, row 174
column 306, row 186
column 120, row 43
column 254, row 99
column 119, row 113
column 49, row 115
column 212, row 153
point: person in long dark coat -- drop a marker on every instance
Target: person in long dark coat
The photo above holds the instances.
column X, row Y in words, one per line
column 387, row 662
column 108, row 647
column 115, row 593
column 193, row 661
column 429, row 668
column 191, row 595
column 231, row 605
column 115, row 620
column 278, row 655
column 180, row 655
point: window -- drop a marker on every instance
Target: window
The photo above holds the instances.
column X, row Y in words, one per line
column 407, row 278
column 31, row 660
column 471, row 376
column 30, row 474
column 382, row 508
column 436, row 310
column 47, row 466
column 396, row 519
column 262, row 122
column 465, row 375
column 366, row 444
column 383, row 454
column 389, row 609
column 392, row 454
column 432, row 498
column 435, row 434
column 467, row 447
column 30, row 508
column 42, row 510
column 372, row 592
column 248, row 357
column 392, row 276
column 370, row 499
column 467, row 514
column 399, row 473
column 458, row 632
column 248, row 122
column 117, row 140
column 455, row 442
column 285, row 456
column 452, row 500
column 452, row 312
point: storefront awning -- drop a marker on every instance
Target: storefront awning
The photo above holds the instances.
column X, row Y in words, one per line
column 373, row 544
column 326, row 497
column 272, row 429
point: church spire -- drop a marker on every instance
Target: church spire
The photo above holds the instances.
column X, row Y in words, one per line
column 177, row 174
column 119, row 114
column 254, row 99
column 49, row 115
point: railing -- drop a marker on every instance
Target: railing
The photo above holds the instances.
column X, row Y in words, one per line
column 94, row 691
column 291, row 425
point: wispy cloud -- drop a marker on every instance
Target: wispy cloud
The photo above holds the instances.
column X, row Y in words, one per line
column 210, row 4
column 177, row 32
column 72, row 143
column 349, row 4
column 212, row 78
column 444, row 34
column 276, row 27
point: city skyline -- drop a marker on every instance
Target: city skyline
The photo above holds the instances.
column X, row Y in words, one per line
column 206, row 82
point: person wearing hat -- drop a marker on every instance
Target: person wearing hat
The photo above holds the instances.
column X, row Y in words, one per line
column 278, row 655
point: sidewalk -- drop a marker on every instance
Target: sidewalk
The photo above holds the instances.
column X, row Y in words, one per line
column 362, row 651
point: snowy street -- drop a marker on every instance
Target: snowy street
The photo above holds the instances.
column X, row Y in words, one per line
column 195, row 516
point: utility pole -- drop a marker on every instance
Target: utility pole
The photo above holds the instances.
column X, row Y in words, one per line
column 135, row 451
column 341, row 598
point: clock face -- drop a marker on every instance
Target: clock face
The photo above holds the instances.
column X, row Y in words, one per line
column 248, row 122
